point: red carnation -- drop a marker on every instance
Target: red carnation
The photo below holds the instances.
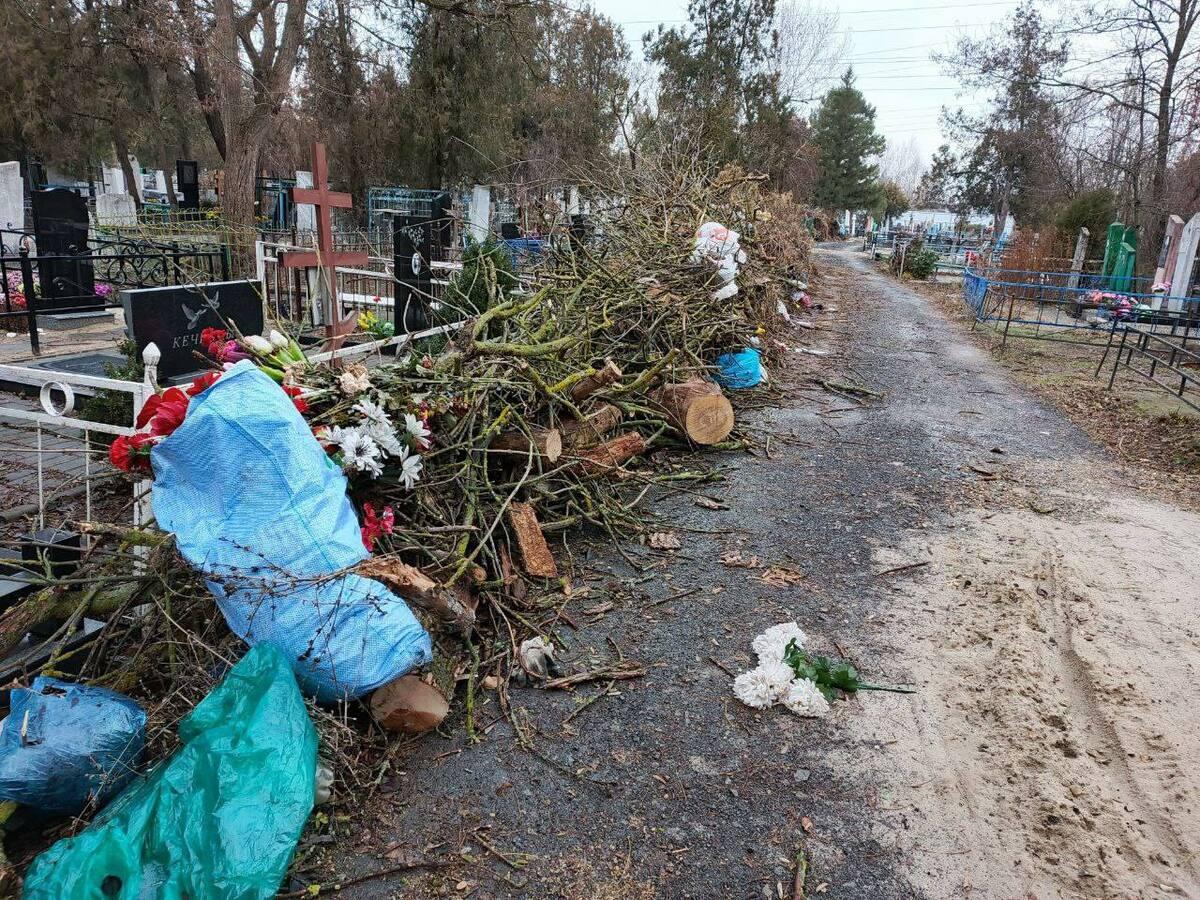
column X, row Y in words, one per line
column 297, row 395
column 170, row 416
column 212, row 335
column 164, row 412
column 131, row 453
column 203, row 383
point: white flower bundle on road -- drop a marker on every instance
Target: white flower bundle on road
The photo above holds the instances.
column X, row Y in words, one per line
column 803, row 682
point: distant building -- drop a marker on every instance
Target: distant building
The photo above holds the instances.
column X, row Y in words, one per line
column 936, row 220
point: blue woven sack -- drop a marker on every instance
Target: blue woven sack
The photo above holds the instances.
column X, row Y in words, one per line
column 739, row 370
column 257, row 506
column 64, row 744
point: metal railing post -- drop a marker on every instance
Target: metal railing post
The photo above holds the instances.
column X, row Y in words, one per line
column 30, row 299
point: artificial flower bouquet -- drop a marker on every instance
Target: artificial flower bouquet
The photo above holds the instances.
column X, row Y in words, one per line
column 806, row 683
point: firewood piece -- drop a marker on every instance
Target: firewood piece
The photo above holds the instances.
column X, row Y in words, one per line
column 548, row 442
column 697, row 409
column 451, row 607
column 602, row 377
column 578, row 434
column 408, row 704
column 536, row 557
column 607, row 458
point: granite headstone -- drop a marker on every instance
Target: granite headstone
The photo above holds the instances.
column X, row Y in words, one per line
column 115, row 209
column 174, row 317
column 60, row 224
column 414, row 277
column 12, row 200
column 187, row 177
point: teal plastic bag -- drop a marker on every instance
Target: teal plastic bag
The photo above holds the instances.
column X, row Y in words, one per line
column 219, row 819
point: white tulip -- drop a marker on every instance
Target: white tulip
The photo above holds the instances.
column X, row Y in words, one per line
column 259, row 344
column 278, row 341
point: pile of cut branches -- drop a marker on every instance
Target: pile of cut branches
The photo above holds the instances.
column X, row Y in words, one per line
column 539, row 415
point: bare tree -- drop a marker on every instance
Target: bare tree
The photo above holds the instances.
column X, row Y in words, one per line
column 1161, row 67
column 810, row 49
column 901, row 163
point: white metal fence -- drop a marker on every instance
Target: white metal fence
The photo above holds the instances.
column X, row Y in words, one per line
column 62, row 441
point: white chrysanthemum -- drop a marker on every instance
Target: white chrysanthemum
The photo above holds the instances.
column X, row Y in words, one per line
column 771, row 644
column 763, row 686
column 384, row 436
column 410, row 468
column 754, row 689
column 804, row 698
column 372, row 412
column 359, row 452
column 417, row 429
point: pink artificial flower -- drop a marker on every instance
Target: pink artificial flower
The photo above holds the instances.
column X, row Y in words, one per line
column 374, row 527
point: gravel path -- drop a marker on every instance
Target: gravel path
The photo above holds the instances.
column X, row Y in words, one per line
column 666, row 786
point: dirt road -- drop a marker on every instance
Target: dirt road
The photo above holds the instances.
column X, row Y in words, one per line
column 1048, row 616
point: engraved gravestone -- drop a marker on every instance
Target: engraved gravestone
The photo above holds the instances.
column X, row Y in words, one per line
column 60, row 224
column 414, row 277
column 12, row 200
column 187, row 176
column 174, row 317
column 115, row 209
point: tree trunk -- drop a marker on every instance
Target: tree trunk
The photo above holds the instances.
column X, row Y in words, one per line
column 602, row 377
column 607, row 458
column 579, row 434
column 409, row 705
column 237, row 198
column 548, row 443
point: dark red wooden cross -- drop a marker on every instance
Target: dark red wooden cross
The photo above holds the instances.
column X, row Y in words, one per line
column 325, row 258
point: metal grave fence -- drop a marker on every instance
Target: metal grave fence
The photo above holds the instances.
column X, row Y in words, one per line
column 1070, row 306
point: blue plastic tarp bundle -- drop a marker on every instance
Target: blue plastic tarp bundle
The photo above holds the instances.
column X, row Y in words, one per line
column 218, row 820
column 64, row 744
column 740, row 370
column 258, row 507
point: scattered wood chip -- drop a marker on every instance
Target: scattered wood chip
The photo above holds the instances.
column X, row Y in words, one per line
column 807, row 824
column 710, row 503
column 734, row 560
column 665, row 540
column 1042, row 509
column 782, row 576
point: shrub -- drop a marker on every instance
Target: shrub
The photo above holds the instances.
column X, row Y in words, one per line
column 487, row 275
column 920, row 262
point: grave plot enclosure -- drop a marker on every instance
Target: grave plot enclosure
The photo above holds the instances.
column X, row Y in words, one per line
column 56, row 275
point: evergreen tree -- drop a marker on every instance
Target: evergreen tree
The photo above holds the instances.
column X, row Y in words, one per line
column 844, row 132
column 719, row 82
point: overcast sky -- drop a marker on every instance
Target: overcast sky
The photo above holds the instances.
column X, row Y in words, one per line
column 889, row 44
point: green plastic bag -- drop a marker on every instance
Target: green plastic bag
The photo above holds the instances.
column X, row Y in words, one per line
column 219, row 819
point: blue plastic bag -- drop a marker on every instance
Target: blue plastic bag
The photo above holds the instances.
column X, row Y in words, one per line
column 220, row 819
column 740, row 370
column 258, row 507
column 64, row 744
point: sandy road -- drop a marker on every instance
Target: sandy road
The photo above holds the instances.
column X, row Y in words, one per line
column 1054, row 629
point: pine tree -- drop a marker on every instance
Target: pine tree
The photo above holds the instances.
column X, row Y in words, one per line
column 844, row 132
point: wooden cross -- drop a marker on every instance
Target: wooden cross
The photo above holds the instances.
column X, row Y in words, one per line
column 325, row 259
